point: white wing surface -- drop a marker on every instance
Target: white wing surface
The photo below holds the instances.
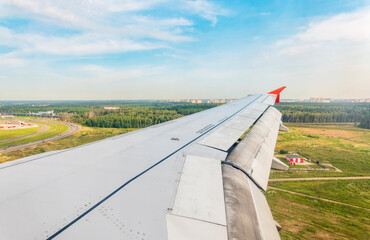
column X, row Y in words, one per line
column 176, row 180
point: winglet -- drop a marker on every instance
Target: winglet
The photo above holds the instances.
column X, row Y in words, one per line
column 277, row 92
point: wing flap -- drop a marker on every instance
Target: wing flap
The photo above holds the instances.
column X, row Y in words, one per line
column 200, row 193
column 183, row 228
column 247, row 212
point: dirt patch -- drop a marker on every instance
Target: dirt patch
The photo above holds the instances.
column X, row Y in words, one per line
column 295, row 227
column 332, row 133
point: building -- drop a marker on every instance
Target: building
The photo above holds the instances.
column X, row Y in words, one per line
column 15, row 122
column 320, row 100
column 293, row 158
column 111, row 108
column 6, row 116
column 47, row 113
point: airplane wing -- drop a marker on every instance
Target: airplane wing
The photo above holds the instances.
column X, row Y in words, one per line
column 189, row 178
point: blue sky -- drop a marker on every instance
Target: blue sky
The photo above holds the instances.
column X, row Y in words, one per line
column 157, row 49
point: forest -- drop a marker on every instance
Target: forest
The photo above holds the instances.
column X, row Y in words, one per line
column 139, row 114
column 137, row 117
column 323, row 112
column 365, row 122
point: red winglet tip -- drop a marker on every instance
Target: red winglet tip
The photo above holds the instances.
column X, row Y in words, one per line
column 277, row 92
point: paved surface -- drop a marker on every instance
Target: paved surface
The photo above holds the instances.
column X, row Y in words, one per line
column 72, row 128
column 42, row 129
column 317, row 179
column 322, row 199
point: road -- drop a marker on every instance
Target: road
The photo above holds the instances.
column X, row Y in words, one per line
column 317, row 179
column 72, row 128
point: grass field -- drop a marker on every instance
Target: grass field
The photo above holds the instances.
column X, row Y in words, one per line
column 7, row 134
column 306, row 218
column 347, row 148
column 344, row 146
column 355, row 192
column 54, row 129
column 85, row 135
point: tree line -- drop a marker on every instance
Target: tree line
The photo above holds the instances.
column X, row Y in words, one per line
column 139, row 114
column 323, row 112
column 137, row 117
column 365, row 121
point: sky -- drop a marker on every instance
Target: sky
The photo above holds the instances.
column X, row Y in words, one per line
column 160, row 49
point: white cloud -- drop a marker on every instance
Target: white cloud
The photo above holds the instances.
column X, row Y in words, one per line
column 206, row 9
column 11, row 60
column 352, row 27
column 101, row 73
column 299, row 48
column 42, row 10
column 100, row 26
column 83, row 44
column 80, row 14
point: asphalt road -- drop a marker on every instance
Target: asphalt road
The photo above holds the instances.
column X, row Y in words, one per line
column 72, row 128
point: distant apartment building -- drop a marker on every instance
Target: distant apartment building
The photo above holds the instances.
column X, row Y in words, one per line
column 320, row 100
column 363, row 100
column 291, row 100
column 200, row 100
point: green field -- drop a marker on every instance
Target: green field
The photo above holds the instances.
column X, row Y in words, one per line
column 344, row 146
column 85, row 135
column 306, row 218
column 7, row 134
column 54, row 129
column 355, row 192
column 347, row 148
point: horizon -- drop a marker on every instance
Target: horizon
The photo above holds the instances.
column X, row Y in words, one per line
column 172, row 100
column 188, row 49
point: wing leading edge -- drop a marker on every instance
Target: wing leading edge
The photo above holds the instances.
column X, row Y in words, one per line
column 144, row 185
